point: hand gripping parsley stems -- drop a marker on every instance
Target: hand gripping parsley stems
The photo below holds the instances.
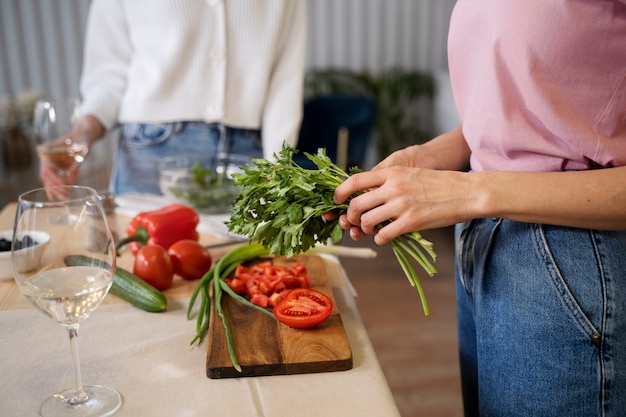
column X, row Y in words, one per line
column 281, row 206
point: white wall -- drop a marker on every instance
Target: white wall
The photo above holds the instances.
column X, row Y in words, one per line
column 372, row 35
column 41, row 40
column 41, row 45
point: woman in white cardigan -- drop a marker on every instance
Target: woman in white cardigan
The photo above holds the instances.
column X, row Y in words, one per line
column 171, row 73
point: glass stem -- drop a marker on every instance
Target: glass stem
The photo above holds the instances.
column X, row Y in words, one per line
column 223, row 150
column 79, row 396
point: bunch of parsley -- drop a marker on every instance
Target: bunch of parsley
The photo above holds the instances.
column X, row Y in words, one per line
column 281, row 206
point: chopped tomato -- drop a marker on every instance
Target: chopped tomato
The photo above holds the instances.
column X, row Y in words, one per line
column 268, row 280
column 277, row 297
column 259, row 299
column 303, row 308
column 237, row 285
column 258, row 284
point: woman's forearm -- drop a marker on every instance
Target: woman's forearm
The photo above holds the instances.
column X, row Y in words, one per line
column 94, row 129
column 593, row 199
column 451, row 149
column 589, row 199
column 448, row 151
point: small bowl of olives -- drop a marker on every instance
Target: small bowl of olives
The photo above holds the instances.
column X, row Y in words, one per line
column 35, row 241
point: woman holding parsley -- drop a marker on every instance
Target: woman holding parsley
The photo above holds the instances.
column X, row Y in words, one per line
column 535, row 179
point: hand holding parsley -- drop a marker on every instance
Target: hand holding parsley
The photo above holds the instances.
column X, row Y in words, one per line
column 281, row 206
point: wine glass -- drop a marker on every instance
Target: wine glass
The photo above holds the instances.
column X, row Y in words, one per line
column 77, row 229
column 60, row 136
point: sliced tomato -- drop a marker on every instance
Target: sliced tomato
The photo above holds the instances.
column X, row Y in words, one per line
column 303, row 308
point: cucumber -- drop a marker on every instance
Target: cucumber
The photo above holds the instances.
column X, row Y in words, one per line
column 127, row 286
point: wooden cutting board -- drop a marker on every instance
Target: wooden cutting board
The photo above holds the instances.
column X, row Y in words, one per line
column 264, row 346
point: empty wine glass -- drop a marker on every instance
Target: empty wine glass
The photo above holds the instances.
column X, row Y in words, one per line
column 68, row 294
column 60, row 136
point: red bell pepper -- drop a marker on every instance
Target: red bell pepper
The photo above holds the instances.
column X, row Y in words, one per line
column 162, row 227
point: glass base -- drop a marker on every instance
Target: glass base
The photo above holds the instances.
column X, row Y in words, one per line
column 100, row 402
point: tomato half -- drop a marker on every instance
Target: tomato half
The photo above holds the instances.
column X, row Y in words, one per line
column 303, row 308
column 190, row 259
column 153, row 265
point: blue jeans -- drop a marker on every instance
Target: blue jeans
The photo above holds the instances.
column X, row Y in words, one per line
column 542, row 320
column 142, row 146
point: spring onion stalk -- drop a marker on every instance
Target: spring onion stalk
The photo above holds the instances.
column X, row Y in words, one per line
column 220, row 271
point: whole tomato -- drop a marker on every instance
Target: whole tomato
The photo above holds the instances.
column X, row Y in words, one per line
column 191, row 260
column 153, row 265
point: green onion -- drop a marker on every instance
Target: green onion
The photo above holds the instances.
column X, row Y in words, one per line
column 216, row 275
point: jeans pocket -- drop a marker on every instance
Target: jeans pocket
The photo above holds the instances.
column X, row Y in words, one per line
column 142, row 135
column 575, row 270
column 474, row 240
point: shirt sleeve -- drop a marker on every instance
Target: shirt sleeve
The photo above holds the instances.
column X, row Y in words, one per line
column 107, row 53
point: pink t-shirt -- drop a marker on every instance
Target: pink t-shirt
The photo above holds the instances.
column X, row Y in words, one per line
column 540, row 85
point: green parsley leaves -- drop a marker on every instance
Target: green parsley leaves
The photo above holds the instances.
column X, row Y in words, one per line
column 281, row 206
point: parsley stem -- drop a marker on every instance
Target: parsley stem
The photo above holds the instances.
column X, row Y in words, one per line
column 416, row 253
column 409, row 271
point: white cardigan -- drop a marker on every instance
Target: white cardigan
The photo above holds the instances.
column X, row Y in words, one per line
column 240, row 62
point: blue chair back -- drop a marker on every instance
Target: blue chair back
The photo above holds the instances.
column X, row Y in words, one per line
column 322, row 118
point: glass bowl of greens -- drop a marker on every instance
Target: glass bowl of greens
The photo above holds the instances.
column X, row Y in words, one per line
column 206, row 186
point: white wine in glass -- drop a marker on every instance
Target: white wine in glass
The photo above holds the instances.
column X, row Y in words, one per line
column 61, row 138
column 76, row 226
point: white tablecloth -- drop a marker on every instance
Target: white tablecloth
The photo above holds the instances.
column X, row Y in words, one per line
column 147, row 358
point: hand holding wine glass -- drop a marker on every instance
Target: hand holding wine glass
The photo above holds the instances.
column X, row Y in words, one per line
column 76, row 225
column 61, row 137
